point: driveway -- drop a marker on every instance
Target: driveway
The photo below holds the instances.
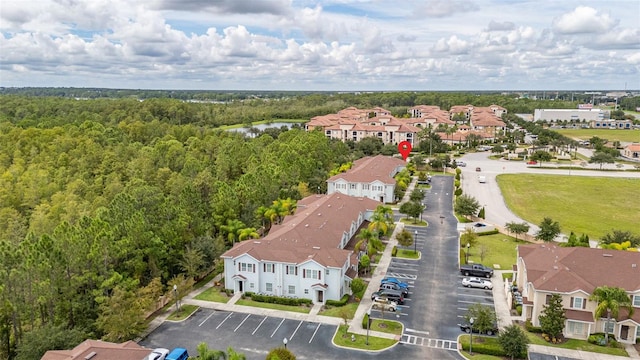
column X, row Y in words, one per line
column 489, row 195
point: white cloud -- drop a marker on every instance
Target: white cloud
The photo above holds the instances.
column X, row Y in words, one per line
column 583, row 20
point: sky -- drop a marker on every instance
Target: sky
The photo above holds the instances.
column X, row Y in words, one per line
column 321, row 45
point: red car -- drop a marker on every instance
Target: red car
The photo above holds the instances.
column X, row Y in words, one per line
column 532, row 162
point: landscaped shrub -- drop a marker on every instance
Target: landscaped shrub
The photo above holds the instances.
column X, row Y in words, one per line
column 491, row 232
column 365, row 319
column 456, row 184
column 488, row 346
column 394, row 251
column 519, row 309
column 278, row 300
column 457, row 176
column 341, row 302
column 532, row 329
column 458, row 192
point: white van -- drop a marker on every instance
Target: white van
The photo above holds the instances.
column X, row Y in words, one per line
column 482, row 179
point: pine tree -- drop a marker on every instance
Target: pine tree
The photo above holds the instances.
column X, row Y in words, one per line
column 552, row 318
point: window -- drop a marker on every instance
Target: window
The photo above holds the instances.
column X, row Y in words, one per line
column 246, row 267
column 352, row 186
column 326, row 272
column 547, row 299
column 306, row 291
column 269, row 287
column 638, row 331
column 291, row 270
column 575, row 327
column 578, row 303
column 292, row 290
column 251, row 285
column 365, row 186
column 269, row 268
column 609, row 325
column 636, row 300
column 311, row 274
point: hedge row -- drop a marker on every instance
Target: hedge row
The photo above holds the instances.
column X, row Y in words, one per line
column 394, row 251
column 532, row 329
column 338, row 303
column 277, row 300
column 491, row 232
column 486, row 347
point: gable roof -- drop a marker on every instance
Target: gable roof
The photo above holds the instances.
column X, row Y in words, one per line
column 314, row 232
column 103, row 351
column 559, row 269
column 371, row 168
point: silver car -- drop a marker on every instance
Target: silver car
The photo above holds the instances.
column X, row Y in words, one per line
column 477, row 283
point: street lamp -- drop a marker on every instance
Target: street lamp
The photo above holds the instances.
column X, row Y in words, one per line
column 415, row 240
column 466, row 260
column 471, row 320
column 368, row 324
column 284, row 341
column 175, row 294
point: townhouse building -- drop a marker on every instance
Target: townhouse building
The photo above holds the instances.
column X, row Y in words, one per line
column 370, row 177
column 574, row 273
column 309, row 255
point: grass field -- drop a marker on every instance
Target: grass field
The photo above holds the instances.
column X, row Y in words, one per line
column 499, row 249
column 375, row 343
column 611, row 135
column 213, row 294
column 584, row 205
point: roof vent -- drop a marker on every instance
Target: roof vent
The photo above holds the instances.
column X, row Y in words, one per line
column 306, row 225
column 319, row 214
column 317, row 247
column 90, row 355
column 634, row 265
column 256, row 242
column 607, row 255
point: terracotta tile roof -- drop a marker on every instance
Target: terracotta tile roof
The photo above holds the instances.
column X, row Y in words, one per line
column 559, row 269
column 369, row 169
column 314, row 232
column 103, row 351
column 633, row 147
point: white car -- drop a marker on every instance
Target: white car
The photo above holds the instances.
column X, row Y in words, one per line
column 477, row 283
column 383, row 304
column 158, row 354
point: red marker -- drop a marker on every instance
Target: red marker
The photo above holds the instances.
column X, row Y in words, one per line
column 405, row 149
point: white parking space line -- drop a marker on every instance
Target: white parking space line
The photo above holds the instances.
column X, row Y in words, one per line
column 314, row 333
column 393, row 263
column 402, row 276
column 403, row 268
column 417, row 331
column 225, row 319
column 256, row 329
column 467, row 302
column 205, row 320
column 477, row 296
column 241, row 322
column 295, row 331
column 274, row 331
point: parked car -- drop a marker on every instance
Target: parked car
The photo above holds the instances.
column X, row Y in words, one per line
column 461, row 163
column 477, row 283
column 178, row 354
column 531, row 162
column 393, row 286
column 384, row 304
column 395, row 281
column 158, row 354
column 391, row 295
column 478, row 169
column 467, row 328
column 476, row 270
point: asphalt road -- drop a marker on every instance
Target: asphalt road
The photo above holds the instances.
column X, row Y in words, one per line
column 488, row 194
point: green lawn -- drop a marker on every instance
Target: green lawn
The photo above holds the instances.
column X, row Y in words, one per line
column 407, row 254
column 375, row 343
column 584, row 205
column 213, row 294
column 350, row 309
column 386, row 326
column 611, row 135
column 499, row 249
column 575, row 344
column 184, row 312
column 247, row 302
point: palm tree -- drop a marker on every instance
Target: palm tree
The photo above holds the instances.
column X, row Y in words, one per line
column 204, row 353
column 364, row 236
column 232, row 229
column 610, row 300
column 247, row 233
column 381, row 219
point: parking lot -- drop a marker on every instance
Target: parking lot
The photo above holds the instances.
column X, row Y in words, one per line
column 470, row 296
column 218, row 328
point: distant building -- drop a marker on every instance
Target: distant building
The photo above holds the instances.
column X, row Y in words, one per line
column 611, row 124
column 632, row 151
column 97, row 349
column 576, row 115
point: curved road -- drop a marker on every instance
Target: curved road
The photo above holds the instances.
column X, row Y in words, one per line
column 489, row 195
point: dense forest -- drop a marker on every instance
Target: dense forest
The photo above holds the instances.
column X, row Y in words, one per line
column 106, row 202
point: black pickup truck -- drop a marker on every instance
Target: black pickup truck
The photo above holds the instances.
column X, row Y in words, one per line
column 478, row 270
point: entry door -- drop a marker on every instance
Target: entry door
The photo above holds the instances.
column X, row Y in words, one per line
column 320, row 296
column 240, row 283
column 624, row 332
